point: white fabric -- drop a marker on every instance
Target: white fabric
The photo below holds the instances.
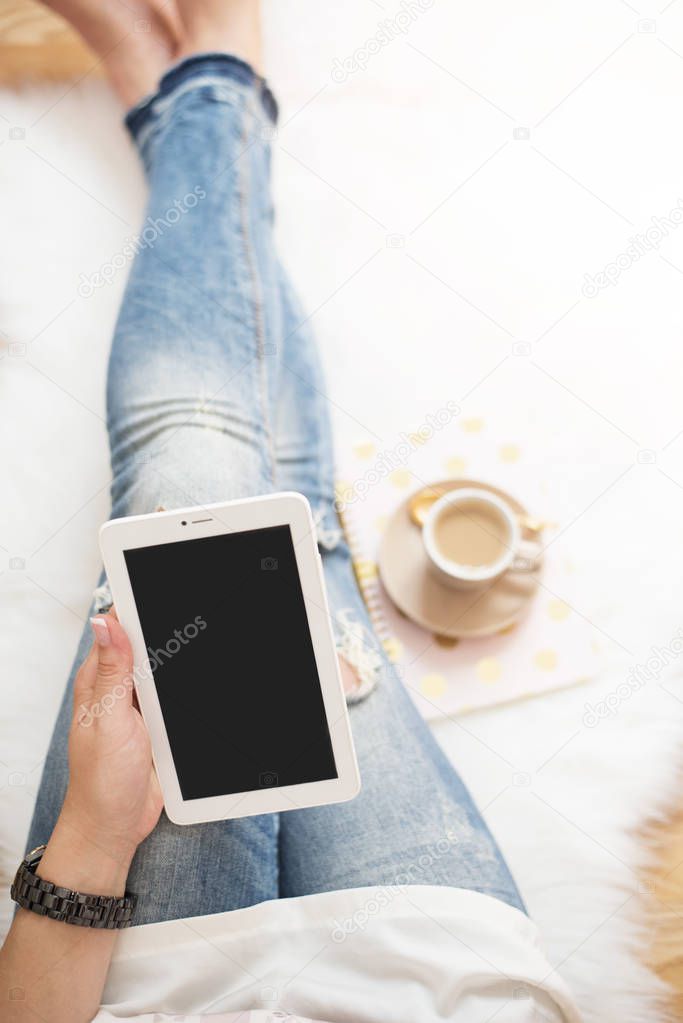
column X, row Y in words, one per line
column 370, row 955
column 515, row 225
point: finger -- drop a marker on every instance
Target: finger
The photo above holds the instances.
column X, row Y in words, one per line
column 113, row 670
column 85, row 676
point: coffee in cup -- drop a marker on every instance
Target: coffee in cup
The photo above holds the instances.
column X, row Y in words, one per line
column 472, row 537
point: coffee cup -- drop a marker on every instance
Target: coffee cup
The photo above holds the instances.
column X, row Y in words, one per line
column 472, row 537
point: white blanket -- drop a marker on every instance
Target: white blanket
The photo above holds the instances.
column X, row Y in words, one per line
column 439, row 210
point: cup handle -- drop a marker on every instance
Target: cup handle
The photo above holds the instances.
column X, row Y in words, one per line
column 527, row 558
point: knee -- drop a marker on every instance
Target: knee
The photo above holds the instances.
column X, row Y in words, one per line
column 360, row 660
column 188, row 465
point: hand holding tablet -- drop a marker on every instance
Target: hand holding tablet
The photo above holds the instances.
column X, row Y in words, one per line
column 236, row 670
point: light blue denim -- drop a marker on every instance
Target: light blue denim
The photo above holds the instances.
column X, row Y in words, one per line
column 215, row 392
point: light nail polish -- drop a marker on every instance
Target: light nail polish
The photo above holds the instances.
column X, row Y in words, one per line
column 100, row 631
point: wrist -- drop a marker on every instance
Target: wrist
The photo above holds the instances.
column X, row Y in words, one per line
column 116, row 843
column 84, row 859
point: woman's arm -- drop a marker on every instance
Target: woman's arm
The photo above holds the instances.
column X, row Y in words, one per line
column 50, row 970
column 55, row 971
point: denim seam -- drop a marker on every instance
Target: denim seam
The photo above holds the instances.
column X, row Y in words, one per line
column 259, row 326
column 326, row 465
column 319, row 456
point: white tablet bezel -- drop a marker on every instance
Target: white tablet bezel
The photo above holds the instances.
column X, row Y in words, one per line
column 292, row 509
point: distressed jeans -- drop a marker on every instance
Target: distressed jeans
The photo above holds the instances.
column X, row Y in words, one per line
column 215, row 392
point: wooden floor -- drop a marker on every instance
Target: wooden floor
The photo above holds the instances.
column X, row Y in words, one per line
column 665, row 883
column 34, row 44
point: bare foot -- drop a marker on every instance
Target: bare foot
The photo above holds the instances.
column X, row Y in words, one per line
column 136, row 40
column 225, row 26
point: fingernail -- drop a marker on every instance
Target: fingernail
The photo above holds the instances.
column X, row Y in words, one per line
column 100, row 631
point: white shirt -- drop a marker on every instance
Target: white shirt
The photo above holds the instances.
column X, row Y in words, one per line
column 367, row 955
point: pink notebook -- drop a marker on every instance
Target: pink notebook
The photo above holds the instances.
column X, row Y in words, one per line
column 551, row 647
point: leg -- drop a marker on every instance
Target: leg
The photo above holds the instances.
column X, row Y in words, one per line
column 134, row 39
column 191, row 379
column 414, row 821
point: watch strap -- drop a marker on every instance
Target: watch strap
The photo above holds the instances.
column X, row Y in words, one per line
column 103, row 912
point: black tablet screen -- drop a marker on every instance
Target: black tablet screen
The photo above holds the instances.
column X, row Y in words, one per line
column 228, row 640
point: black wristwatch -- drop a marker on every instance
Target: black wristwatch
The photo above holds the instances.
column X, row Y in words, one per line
column 47, row 899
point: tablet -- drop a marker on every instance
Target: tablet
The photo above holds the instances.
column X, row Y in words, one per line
column 235, row 667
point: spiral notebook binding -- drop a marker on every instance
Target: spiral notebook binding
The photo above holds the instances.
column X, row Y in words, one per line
column 367, row 577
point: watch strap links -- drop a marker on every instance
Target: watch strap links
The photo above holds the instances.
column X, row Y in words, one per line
column 102, row 912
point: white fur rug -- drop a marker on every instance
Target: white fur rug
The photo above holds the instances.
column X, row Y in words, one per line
column 440, row 209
